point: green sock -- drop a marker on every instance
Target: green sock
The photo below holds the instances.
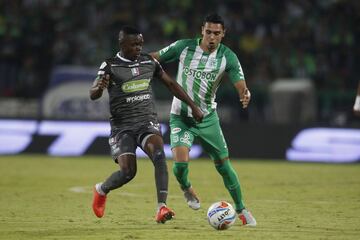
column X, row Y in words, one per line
column 232, row 183
column 181, row 172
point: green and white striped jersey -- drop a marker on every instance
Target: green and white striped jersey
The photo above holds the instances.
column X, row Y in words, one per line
column 200, row 73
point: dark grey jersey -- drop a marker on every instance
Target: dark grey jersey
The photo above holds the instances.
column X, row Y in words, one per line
column 130, row 93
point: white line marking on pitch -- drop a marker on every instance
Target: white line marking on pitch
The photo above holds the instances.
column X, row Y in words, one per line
column 82, row 189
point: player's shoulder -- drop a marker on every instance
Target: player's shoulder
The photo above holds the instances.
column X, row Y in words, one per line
column 106, row 63
column 189, row 42
column 112, row 60
column 146, row 58
column 226, row 51
column 183, row 43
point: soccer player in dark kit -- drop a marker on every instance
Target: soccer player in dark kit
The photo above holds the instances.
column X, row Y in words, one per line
column 127, row 77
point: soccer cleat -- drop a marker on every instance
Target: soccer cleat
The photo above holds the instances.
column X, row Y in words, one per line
column 164, row 214
column 247, row 218
column 191, row 199
column 98, row 203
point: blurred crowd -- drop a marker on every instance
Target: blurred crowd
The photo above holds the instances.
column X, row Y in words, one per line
column 314, row 39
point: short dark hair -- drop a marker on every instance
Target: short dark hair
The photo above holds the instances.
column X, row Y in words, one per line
column 214, row 18
column 129, row 30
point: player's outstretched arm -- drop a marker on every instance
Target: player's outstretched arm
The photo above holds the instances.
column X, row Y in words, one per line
column 179, row 92
column 100, row 83
column 243, row 92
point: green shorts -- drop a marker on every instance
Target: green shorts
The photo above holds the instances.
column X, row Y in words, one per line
column 184, row 130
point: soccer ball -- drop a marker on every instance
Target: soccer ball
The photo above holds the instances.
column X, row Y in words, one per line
column 221, row 215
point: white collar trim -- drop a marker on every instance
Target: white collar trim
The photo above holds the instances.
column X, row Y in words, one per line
column 124, row 59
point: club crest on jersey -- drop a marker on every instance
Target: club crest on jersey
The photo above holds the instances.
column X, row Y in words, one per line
column 203, row 59
column 135, row 71
column 213, row 62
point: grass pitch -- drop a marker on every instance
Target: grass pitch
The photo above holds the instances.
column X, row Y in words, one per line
column 50, row 198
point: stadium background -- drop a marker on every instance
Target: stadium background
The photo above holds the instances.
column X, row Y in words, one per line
column 300, row 61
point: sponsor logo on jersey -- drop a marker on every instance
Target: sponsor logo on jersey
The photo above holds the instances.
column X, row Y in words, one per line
column 209, row 76
column 135, row 71
column 136, row 85
column 138, row 98
column 175, row 130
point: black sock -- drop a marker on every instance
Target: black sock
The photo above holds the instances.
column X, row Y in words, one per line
column 161, row 176
column 116, row 180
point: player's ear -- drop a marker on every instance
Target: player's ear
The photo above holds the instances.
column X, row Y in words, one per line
column 224, row 32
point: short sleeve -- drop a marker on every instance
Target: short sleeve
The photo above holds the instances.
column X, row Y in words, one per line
column 172, row 52
column 104, row 69
column 233, row 67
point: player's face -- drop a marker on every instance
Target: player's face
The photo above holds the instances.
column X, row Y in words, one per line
column 212, row 34
column 131, row 46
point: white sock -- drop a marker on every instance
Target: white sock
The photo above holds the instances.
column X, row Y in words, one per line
column 99, row 190
column 160, row 205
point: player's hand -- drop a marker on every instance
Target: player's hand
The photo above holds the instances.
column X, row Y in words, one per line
column 245, row 98
column 104, row 82
column 197, row 114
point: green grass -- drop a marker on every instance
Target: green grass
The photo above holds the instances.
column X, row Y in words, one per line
column 50, row 198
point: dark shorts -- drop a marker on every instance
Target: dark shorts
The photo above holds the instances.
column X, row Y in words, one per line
column 125, row 139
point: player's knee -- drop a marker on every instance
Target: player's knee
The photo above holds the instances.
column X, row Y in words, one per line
column 180, row 168
column 129, row 174
column 220, row 168
column 159, row 157
column 224, row 168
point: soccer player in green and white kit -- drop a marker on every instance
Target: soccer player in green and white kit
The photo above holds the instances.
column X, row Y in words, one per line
column 202, row 63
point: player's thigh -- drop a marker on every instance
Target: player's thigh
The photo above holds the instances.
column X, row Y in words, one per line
column 127, row 163
column 122, row 143
column 212, row 140
column 152, row 142
column 149, row 137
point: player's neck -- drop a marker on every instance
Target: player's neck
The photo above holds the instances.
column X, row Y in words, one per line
column 205, row 48
column 124, row 58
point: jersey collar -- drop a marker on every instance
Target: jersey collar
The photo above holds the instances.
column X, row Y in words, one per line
column 124, row 59
column 198, row 43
